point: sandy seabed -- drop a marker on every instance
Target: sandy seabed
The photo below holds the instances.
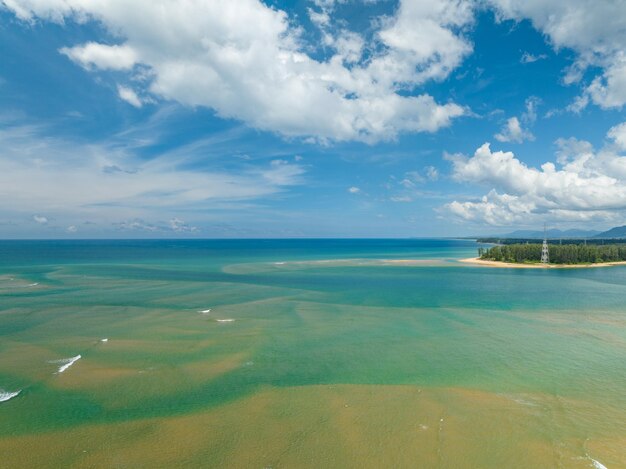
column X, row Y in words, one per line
column 487, row 263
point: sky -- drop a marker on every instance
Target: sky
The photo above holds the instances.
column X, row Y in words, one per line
column 310, row 118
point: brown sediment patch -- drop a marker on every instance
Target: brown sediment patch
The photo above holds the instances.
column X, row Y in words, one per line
column 205, row 370
column 92, row 376
column 167, row 345
column 27, row 361
column 611, row 452
column 10, row 283
column 310, row 264
column 119, row 388
column 604, row 326
column 351, row 426
column 513, row 265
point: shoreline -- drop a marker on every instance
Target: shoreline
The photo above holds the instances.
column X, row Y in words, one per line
column 513, row 265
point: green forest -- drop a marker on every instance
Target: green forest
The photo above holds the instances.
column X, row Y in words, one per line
column 559, row 254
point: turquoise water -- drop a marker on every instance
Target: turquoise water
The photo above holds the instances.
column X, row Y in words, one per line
column 320, row 353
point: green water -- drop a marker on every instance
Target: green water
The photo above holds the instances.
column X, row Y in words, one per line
column 332, row 356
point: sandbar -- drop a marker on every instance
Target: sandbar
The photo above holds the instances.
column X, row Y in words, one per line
column 514, row 265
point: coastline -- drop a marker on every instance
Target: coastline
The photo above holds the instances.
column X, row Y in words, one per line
column 512, row 265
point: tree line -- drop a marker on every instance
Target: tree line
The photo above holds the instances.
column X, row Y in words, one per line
column 556, row 241
column 559, row 254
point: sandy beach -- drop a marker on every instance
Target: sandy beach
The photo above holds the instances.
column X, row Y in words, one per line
column 512, row 265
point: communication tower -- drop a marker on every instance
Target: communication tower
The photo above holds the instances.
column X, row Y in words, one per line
column 545, row 255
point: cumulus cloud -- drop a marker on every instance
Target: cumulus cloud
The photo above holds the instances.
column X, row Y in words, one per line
column 618, row 134
column 128, row 95
column 512, row 132
column 354, row 190
column 40, row 219
column 248, row 61
column 93, row 55
column 586, row 185
column 179, row 226
column 609, row 90
column 595, row 29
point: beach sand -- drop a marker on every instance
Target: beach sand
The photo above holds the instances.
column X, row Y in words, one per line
column 486, row 263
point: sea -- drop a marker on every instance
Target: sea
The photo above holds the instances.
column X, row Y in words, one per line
column 305, row 353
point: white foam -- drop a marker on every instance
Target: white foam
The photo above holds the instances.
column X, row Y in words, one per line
column 5, row 396
column 279, row 263
column 204, row 311
column 66, row 363
column 598, row 464
column 225, row 320
column 34, row 284
column 104, row 340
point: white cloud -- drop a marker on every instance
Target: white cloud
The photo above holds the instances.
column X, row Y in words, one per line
column 531, row 103
column 401, row 198
column 579, row 103
column 528, row 58
column 136, row 224
column 319, row 18
column 422, row 37
column 609, row 90
column 354, row 190
column 282, row 173
column 129, row 96
column 512, row 131
column 432, row 173
column 93, row 55
column 618, row 134
column 409, row 184
column 595, row 29
column 245, row 60
column 179, row 226
column 72, row 229
column 411, row 178
column 588, row 185
column 73, row 181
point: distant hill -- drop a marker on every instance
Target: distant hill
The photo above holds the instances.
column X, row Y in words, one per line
column 573, row 233
column 617, row 232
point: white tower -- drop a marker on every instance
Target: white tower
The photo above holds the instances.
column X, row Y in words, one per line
column 545, row 255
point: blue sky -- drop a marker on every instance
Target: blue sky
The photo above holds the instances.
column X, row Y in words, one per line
column 243, row 118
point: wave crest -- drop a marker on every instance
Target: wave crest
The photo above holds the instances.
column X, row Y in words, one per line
column 5, row 395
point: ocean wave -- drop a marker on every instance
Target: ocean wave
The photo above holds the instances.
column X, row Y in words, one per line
column 66, row 363
column 204, row 311
column 5, row 396
column 598, row 464
column 225, row 320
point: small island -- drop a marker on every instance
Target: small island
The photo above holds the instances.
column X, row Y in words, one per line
column 560, row 256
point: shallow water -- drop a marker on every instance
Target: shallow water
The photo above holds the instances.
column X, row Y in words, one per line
column 315, row 353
